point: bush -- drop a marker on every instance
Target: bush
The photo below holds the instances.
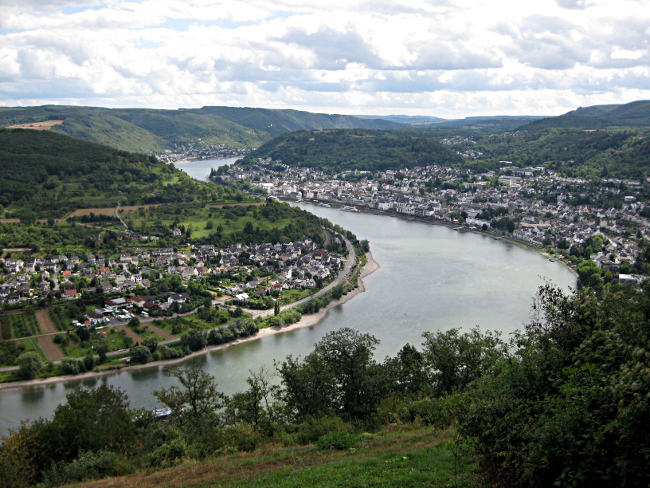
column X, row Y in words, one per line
column 339, row 441
column 315, row 428
column 243, row 438
column 89, row 465
column 70, row 366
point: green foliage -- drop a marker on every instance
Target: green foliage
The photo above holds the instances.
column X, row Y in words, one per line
column 364, row 150
column 88, row 466
column 140, row 354
column 29, row 364
column 90, row 421
column 339, row 441
column 456, row 359
column 9, row 352
column 151, row 130
column 339, row 376
column 70, row 366
column 570, row 408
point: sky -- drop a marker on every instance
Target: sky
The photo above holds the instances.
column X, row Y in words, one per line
column 443, row 58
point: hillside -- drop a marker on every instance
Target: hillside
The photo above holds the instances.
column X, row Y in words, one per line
column 364, row 150
column 49, row 174
column 634, row 114
column 152, row 131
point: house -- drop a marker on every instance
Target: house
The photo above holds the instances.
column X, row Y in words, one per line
column 72, row 293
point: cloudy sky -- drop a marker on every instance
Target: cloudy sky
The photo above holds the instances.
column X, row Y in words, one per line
column 446, row 58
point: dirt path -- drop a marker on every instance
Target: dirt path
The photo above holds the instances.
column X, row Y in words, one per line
column 130, row 333
column 50, row 349
column 158, row 331
column 45, row 322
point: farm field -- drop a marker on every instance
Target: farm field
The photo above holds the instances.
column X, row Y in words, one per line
column 45, row 125
column 45, row 322
column 51, row 351
column 158, row 331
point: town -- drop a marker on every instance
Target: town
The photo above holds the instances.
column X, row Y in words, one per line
column 600, row 220
column 199, row 150
column 247, row 273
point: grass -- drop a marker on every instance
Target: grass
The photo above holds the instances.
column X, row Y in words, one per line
column 31, row 344
column 423, row 457
column 293, row 295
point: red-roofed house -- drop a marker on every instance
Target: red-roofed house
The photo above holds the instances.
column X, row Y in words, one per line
column 71, row 293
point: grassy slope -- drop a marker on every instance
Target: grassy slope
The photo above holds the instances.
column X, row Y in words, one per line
column 401, row 459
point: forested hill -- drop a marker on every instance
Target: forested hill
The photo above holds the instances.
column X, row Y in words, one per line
column 634, row 114
column 49, row 174
column 151, row 131
column 364, row 150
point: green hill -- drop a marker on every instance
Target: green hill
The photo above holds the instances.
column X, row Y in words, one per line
column 364, row 150
column 634, row 114
column 49, row 174
column 152, row 131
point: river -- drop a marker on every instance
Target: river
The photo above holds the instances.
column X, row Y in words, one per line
column 431, row 278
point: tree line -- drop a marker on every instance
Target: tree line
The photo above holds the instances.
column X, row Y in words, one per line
column 564, row 403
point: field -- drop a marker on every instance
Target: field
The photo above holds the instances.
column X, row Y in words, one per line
column 129, row 333
column 21, row 324
column 158, row 331
column 45, row 322
column 97, row 211
column 45, row 125
column 51, row 351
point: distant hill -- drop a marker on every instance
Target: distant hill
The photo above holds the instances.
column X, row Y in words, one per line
column 634, row 114
column 152, row 131
column 354, row 149
column 405, row 119
column 492, row 123
column 50, row 174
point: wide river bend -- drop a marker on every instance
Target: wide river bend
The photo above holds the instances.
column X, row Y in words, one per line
column 431, row 278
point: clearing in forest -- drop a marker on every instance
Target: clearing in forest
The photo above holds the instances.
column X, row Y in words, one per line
column 45, row 125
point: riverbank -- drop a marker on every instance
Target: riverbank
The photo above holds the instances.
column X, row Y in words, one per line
column 306, row 321
column 451, row 225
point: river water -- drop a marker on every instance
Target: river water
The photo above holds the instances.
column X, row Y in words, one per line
column 431, row 278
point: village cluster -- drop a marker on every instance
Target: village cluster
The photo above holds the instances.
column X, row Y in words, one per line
column 199, row 150
column 242, row 271
column 459, row 197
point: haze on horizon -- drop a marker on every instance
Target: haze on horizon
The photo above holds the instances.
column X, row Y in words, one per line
column 445, row 58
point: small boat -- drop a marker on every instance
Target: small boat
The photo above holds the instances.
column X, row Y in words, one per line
column 161, row 413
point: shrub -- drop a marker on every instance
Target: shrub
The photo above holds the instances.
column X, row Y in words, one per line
column 339, row 440
column 69, row 366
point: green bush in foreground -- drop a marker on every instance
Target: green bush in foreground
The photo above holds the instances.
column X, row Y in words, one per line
column 339, row 441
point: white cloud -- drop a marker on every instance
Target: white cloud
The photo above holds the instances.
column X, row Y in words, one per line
column 437, row 57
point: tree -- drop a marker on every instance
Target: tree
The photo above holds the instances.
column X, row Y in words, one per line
column 570, row 408
column 91, row 420
column 256, row 405
column 140, row 354
column 151, row 343
column 339, row 376
column 196, row 400
column 29, row 364
column 455, row 359
column 195, row 340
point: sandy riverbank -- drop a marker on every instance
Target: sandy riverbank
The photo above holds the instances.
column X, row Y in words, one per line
column 306, row 321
